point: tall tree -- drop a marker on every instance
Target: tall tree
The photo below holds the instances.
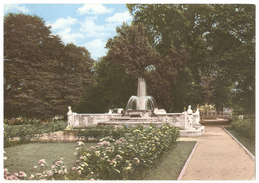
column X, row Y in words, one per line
column 219, row 39
column 111, row 89
column 131, row 49
column 42, row 76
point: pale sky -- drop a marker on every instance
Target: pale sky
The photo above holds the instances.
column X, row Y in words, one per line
column 87, row 25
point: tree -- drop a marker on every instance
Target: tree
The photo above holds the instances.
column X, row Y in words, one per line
column 42, row 76
column 219, row 39
column 111, row 89
column 131, row 50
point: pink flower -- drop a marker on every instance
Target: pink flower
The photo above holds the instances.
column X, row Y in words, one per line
column 74, row 168
column 22, row 174
column 16, row 174
column 31, row 177
column 38, row 174
column 42, row 162
column 49, row 173
column 59, row 162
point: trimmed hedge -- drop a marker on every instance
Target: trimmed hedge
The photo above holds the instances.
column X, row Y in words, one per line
column 245, row 127
column 28, row 132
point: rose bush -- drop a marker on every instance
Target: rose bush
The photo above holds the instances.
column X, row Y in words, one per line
column 128, row 157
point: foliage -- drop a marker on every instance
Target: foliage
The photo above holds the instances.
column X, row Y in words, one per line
column 129, row 157
column 245, row 127
column 42, row 76
column 220, row 42
column 132, row 50
column 29, row 132
column 112, row 89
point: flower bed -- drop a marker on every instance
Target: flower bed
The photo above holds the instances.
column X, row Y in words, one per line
column 27, row 133
column 128, row 157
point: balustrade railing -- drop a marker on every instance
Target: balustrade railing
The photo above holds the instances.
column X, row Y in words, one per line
column 214, row 113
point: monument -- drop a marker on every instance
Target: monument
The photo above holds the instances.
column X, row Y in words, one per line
column 141, row 109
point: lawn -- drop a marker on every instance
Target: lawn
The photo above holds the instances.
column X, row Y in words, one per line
column 171, row 165
column 25, row 157
column 247, row 142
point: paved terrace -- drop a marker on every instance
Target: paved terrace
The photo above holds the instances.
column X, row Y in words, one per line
column 218, row 157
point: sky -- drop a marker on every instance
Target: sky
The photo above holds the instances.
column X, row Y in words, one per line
column 87, row 25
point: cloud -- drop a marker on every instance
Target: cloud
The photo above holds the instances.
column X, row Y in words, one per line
column 119, row 17
column 96, row 48
column 93, row 9
column 93, row 30
column 63, row 23
column 68, row 37
column 15, row 8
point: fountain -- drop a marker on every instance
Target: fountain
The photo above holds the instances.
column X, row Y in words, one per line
column 141, row 109
column 141, row 101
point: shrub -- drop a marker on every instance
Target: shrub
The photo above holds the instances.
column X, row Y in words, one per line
column 245, row 127
column 27, row 133
column 129, row 157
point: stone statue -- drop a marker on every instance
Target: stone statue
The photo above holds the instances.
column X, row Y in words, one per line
column 189, row 111
column 69, row 116
column 190, row 116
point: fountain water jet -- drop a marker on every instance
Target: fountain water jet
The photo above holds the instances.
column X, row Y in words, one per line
column 141, row 101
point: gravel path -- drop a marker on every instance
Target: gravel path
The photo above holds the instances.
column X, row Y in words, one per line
column 218, row 157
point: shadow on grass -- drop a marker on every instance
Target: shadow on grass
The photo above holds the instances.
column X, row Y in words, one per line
column 247, row 142
column 171, row 165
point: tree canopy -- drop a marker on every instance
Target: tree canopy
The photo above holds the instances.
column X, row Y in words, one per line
column 132, row 50
column 42, row 76
column 220, row 42
column 188, row 54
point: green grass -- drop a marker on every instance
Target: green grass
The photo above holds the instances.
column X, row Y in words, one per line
column 25, row 157
column 171, row 165
column 247, row 142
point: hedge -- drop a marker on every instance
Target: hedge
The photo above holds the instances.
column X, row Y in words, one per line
column 27, row 133
column 245, row 127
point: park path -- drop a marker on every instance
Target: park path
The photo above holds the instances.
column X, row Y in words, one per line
column 218, row 157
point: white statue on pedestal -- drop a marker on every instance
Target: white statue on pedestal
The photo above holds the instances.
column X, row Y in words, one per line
column 197, row 119
column 69, row 116
column 190, row 116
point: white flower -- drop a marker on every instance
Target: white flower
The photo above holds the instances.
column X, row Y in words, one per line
column 80, row 143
